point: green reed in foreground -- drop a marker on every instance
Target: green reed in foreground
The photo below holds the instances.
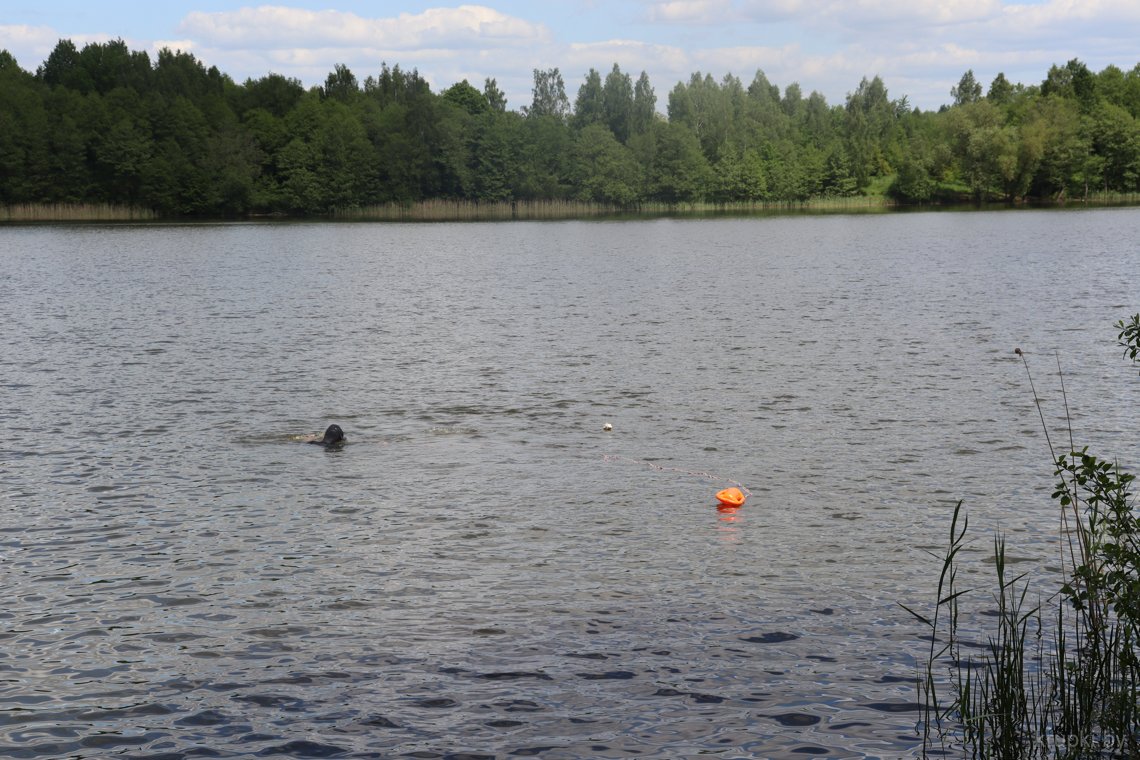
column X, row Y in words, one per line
column 1058, row 679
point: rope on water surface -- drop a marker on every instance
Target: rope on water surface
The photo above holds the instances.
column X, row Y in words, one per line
column 680, row 471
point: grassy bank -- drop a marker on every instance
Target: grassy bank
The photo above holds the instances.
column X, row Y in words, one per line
column 74, row 212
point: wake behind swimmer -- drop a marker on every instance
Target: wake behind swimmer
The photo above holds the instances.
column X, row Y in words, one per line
column 333, row 437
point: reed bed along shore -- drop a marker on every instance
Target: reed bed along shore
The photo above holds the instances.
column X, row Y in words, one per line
column 451, row 210
column 463, row 210
column 74, row 212
column 1107, row 199
column 441, row 210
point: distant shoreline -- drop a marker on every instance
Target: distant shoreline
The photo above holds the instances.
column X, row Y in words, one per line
column 460, row 210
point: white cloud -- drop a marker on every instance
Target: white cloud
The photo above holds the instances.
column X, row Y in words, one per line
column 186, row 46
column 30, row 45
column 1060, row 12
column 767, row 11
column 911, row 12
column 276, row 27
column 744, row 61
column 22, row 35
column 986, row 23
column 664, row 64
column 691, row 11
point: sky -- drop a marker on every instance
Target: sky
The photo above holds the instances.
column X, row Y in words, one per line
column 920, row 48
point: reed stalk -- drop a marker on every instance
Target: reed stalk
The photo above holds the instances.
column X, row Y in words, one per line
column 934, row 711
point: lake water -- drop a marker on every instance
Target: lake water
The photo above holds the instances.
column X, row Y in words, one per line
column 483, row 571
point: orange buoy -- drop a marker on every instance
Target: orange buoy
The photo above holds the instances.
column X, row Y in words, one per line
column 731, row 497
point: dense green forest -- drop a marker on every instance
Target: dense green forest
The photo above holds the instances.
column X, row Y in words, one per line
column 107, row 125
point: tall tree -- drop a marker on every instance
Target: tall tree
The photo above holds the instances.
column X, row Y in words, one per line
column 549, row 95
column 589, row 106
column 644, row 105
column 1130, row 98
column 463, row 95
column 708, row 109
column 341, row 84
column 606, row 169
column 762, row 90
column 1064, row 147
column 679, row 173
column 1000, row 90
column 968, row 89
column 394, row 85
column 547, row 159
column 274, row 93
column 793, row 101
column 1116, row 138
column 871, row 119
column 738, row 178
column 617, row 103
column 62, row 69
column 494, row 156
column 122, row 152
column 112, row 64
column 495, row 97
column 180, row 73
column 24, row 135
column 819, row 127
column 1073, row 80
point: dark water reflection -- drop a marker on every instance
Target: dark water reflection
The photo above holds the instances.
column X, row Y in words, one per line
column 482, row 571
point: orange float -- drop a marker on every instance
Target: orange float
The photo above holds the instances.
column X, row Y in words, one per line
column 731, row 497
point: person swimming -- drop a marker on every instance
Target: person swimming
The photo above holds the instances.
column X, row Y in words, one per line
column 334, row 436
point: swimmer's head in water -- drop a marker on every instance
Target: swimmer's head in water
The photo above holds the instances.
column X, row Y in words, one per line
column 333, row 436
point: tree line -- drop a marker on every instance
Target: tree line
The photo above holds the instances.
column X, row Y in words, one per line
column 105, row 124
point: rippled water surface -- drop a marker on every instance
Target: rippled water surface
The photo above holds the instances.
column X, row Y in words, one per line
column 482, row 571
